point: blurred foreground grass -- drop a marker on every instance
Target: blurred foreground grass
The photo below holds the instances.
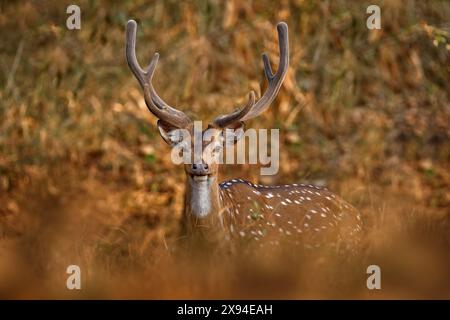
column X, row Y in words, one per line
column 85, row 178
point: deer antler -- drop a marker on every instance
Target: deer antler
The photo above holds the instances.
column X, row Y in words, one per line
column 252, row 110
column 154, row 103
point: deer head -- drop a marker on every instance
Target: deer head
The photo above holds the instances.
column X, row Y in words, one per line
column 202, row 186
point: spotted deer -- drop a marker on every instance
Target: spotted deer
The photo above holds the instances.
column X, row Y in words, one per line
column 301, row 214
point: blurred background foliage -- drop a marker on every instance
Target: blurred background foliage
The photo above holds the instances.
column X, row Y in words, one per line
column 363, row 111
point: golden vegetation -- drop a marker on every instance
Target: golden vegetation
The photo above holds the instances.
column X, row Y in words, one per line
column 85, row 178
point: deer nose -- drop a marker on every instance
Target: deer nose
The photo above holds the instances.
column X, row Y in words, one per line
column 200, row 169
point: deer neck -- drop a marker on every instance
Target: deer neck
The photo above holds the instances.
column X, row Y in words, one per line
column 202, row 203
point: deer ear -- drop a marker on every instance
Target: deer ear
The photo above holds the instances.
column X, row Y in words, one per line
column 171, row 134
column 233, row 134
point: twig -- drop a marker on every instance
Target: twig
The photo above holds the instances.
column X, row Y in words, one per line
column 15, row 65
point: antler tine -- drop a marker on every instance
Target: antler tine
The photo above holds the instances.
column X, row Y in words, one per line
column 275, row 82
column 154, row 103
column 225, row 120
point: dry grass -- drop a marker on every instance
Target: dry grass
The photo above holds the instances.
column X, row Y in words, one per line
column 85, row 179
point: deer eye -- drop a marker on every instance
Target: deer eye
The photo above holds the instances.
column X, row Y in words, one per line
column 182, row 147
